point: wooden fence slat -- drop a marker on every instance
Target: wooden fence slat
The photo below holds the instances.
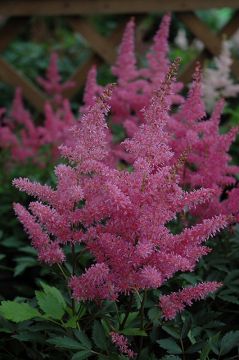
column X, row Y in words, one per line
column 201, row 31
column 213, row 42
column 89, row 7
column 12, row 77
column 231, row 27
column 101, row 45
column 80, row 75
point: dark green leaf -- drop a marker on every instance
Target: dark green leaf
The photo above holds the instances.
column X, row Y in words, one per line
column 170, row 345
column 98, row 336
column 83, row 338
column 66, row 343
column 154, row 315
column 17, row 312
column 81, row 355
column 229, row 341
column 23, row 263
column 171, row 331
column 195, row 347
column 186, row 327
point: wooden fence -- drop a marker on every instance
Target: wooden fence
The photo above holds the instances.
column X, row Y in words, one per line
column 18, row 13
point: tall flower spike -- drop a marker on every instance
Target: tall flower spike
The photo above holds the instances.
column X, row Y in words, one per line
column 122, row 343
column 125, row 67
column 121, row 218
column 48, row 251
column 52, row 83
column 176, row 302
column 158, row 55
column 151, row 136
column 92, row 89
column 193, row 109
column 90, row 135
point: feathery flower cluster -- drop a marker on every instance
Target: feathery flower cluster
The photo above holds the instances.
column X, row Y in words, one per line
column 176, row 301
column 120, row 217
column 206, row 149
column 191, row 132
column 52, row 83
column 135, row 85
column 24, row 139
column 122, row 343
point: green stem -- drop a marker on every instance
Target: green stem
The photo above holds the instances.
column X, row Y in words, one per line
column 121, row 327
column 117, row 313
column 182, row 346
column 141, row 312
column 62, row 271
column 73, row 255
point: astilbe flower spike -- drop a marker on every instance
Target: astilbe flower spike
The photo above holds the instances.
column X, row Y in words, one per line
column 208, row 162
column 176, row 301
column 125, row 67
column 123, row 218
column 25, row 140
column 18, row 133
column 122, row 343
column 158, row 61
column 92, row 89
column 52, row 82
column 190, row 131
column 136, row 85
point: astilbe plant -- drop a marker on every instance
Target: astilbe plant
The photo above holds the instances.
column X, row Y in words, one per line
column 135, row 85
column 193, row 136
column 52, row 83
column 25, row 140
column 207, row 162
column 119, row 217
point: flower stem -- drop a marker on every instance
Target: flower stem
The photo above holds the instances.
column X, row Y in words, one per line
column 121, row 327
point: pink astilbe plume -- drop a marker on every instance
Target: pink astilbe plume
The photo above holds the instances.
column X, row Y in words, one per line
column 135, row 85
column 208, row 161
column 48, row 251
column 175, row 302
column 125, row 67
column 92, row 89
column 158, row 61
column 121, row 218
column 50, row 226
column 25, row 139
column 122, row 344
column 18, row 133
column 52, row 82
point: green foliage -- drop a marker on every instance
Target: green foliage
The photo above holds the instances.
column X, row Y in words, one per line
column 170, row 345
column 17, row 312
column 51, row 302
column 98, row 336
column 66, row 343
